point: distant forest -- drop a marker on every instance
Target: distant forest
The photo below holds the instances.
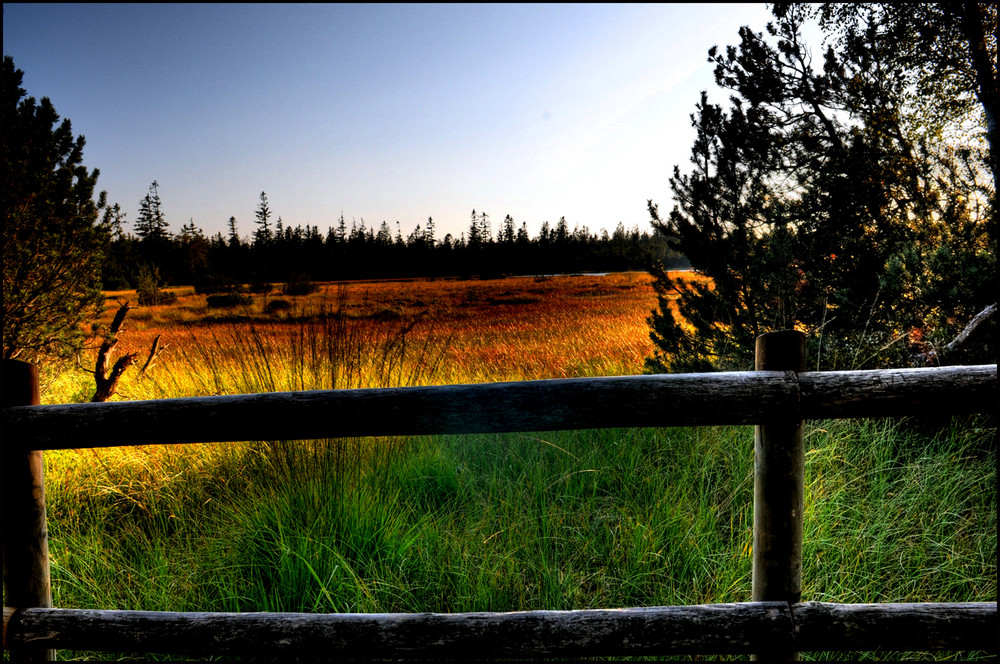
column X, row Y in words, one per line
column 279, row 253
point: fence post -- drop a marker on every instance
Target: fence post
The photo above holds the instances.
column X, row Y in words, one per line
column 22, row 507
column 778, row 490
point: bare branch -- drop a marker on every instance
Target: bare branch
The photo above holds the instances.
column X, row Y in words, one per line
column 976, row 321
column 106, row 384
column 119, row 318
column 154, row 352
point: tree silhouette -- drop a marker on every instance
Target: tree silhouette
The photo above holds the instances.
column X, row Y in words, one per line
column 263, row 215
column 818, row 201
column 53, row 243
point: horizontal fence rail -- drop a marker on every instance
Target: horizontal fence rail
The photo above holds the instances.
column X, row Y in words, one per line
column 751, row 397
column 671, row 630
column 776, row 398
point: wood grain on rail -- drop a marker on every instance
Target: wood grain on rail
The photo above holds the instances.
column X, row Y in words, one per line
column 540, row 405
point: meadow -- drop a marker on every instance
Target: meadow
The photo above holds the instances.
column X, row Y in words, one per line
column 896, row 510
column 518, row 328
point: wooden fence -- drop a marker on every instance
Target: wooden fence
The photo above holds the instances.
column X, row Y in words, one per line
column 775, row 624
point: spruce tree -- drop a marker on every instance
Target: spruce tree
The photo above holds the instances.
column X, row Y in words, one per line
column 262, row 235
column 234, row 236
column 429, row 234
column 475, row 231
column 341, row 234
column 151, row 225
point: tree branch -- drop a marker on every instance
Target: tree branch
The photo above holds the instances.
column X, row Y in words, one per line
column 154, row 352
column 976, row 321
column 107, row 384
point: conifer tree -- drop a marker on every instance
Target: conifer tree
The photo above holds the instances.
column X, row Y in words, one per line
column 429, row 233
column 151, row 225
column 507, row 232
column 485, row 228
column 475, row 237
column 817, row 201
column 53, row 243
column 263, row 216
column 234, row 236
column 341, row 229
column 523, row 238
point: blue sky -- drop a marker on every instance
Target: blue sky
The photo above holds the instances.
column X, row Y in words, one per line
column 379, row 112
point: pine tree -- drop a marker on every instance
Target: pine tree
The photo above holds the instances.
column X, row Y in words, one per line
column 263, row 234
column 341, row 234
column 53, row 245
column 429, row 233
column 112, row 220
column 523, row 238
column 151, row 225
column 475, row 237
column 234, row 236
column 813, row 202
column 507, row 232
column 384, row 236
column 485, row 229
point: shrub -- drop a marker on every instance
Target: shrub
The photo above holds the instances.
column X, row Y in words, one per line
column 213, row 285
column 228, row 300
column 148, row 289
column 115, row 282
column 261, row 287
column 383, row 315
column 275, row 306
column 299, row 284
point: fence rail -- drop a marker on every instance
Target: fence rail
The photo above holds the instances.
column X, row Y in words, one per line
column 750, row 397
column 669, row 630
column 776, row 624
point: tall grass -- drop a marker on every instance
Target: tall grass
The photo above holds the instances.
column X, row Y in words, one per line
column 514, row 522
column 577, row 519
column 322, row 347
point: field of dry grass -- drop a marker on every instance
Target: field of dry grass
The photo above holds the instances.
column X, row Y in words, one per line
column 515, row 328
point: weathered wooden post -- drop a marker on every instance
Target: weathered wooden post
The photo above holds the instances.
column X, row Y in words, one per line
column 779, row 459
column 22, row 507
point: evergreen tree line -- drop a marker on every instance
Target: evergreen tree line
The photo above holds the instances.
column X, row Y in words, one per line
column 276, row 252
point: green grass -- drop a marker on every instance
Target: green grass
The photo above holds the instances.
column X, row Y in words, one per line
column 568, row 520
column 896, row 511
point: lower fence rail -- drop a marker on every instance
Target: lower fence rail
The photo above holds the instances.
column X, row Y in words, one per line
column 668, row 630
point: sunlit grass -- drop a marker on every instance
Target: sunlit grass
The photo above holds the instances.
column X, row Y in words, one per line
column 560, row 520
column 518, row 328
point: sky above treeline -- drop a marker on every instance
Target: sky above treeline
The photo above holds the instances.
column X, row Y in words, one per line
column 380, row 112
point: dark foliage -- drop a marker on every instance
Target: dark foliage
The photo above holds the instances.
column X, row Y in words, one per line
column 216, row 264
column 832, row 199
column 261, row 287
column 299, row 284
column 53, row 243
column 149, row 290
column 228, row 300
column 277, row 306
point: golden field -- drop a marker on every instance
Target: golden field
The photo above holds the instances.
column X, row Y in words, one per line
column 399, row 332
